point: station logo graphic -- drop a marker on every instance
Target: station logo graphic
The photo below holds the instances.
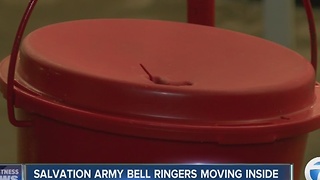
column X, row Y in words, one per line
column 312, row 170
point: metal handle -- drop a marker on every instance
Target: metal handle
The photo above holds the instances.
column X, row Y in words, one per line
column 313, row 35
column 12, row 67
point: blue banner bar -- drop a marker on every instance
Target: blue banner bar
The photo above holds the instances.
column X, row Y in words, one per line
column 159, row 171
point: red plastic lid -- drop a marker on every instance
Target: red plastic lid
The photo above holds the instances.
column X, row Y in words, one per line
column 95, row 65
column 207, row 75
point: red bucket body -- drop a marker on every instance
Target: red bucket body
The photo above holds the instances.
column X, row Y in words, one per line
column 80, row 145
column 153, row 91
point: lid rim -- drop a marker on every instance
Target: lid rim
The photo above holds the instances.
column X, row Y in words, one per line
column 302, row 122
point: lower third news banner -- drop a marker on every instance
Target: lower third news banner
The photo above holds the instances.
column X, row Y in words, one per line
column 145, row 171
column 156, row 171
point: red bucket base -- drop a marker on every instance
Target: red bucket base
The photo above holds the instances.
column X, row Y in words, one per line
column 51, row 141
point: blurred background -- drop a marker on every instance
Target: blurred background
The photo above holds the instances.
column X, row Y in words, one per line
column 282, row 21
